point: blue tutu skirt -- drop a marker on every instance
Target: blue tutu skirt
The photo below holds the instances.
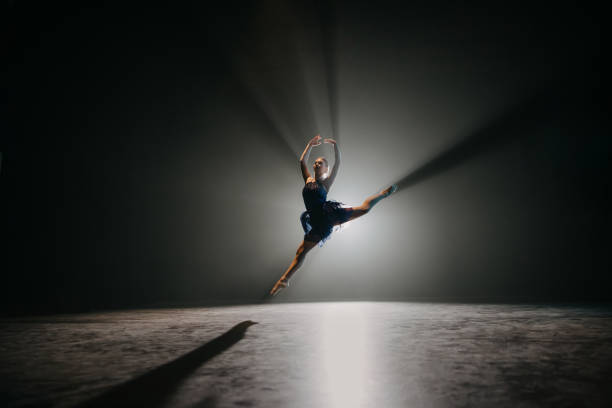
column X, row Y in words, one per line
column 318, row 225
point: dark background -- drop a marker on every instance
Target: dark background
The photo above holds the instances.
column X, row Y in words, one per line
column 149, row 154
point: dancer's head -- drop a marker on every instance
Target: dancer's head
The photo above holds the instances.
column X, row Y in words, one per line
column 320, row 167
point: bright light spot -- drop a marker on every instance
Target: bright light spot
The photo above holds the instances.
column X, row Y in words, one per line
column 345, row 354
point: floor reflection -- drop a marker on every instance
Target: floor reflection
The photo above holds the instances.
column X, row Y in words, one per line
column 344, row 355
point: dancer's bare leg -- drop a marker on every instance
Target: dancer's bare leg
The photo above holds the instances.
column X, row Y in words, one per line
column 371, row 202
column 300, row 254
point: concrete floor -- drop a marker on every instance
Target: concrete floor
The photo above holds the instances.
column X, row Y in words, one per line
column 313, row 355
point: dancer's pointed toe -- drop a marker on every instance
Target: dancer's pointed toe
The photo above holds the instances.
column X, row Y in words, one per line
column 389, row 190
column 281, row 284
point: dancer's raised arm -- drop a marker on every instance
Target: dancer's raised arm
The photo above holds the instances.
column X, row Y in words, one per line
column 334, row 172
column 315, row 141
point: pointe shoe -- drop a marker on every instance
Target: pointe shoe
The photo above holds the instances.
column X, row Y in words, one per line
column 389, row 190
column 281, row 284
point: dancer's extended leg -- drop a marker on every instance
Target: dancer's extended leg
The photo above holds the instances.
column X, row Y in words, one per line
column 371, row 202
column 300, row 254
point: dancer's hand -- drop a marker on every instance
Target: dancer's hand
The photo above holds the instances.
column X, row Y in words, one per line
column 332, row 141
column 315, row 141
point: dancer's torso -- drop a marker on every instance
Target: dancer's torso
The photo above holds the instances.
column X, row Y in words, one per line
column 314, row 195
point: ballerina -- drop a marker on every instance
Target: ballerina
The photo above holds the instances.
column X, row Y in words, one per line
column 322, row 215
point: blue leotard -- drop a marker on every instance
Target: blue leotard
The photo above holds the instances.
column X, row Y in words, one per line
column 321, row 215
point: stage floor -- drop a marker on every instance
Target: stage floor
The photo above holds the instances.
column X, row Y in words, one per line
column 313, row 355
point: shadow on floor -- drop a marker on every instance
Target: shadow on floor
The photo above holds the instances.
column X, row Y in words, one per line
column 152, row 389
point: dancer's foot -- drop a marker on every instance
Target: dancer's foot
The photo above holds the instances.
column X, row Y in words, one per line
column 281, row 284
column 389, row 190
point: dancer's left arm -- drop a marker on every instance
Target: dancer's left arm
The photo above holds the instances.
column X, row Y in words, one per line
column 334, row 172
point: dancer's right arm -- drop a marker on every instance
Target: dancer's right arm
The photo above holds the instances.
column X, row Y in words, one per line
column 315, row 141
